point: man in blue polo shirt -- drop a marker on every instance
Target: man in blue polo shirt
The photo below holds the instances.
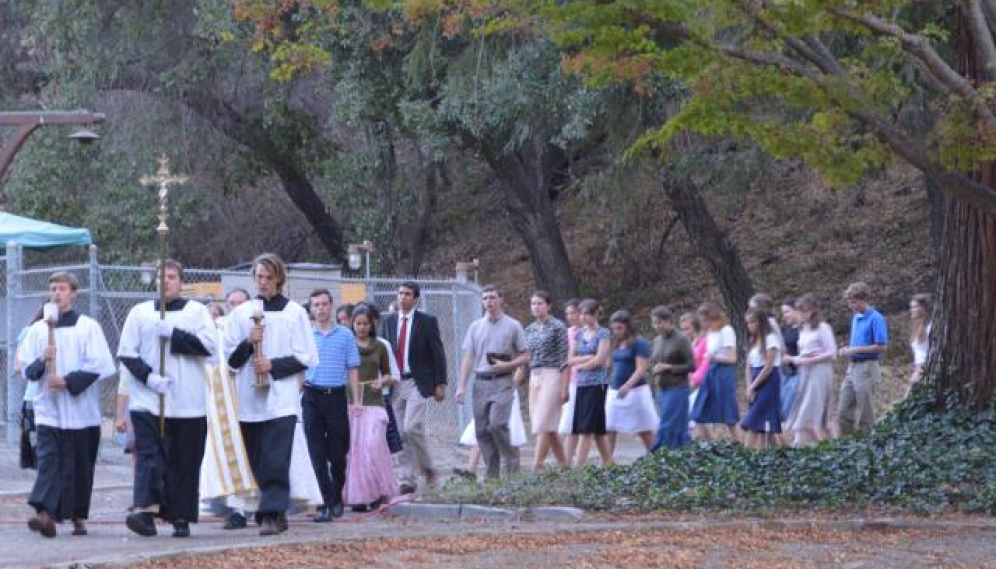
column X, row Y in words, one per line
column 324, row 406
column 869, row 340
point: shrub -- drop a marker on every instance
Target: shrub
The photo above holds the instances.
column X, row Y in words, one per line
column 914, row 460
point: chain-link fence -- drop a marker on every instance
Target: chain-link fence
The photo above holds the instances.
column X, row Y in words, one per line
column 107, row 293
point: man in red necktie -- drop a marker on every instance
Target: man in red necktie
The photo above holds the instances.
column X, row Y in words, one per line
column 418, row 349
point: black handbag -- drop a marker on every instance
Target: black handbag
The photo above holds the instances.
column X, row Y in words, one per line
column 394, row 442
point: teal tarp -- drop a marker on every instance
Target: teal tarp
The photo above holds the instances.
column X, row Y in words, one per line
column 39, row 234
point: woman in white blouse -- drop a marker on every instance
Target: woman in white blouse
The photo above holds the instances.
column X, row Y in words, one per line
column 921, row 309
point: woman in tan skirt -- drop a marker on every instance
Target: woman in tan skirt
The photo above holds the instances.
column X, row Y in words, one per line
column 548, row 378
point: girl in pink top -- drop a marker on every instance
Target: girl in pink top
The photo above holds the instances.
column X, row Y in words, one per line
column 692, row 330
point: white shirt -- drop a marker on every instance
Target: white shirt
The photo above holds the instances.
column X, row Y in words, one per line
column 716, row 341
column 186, row 398
column 408, row 339
column 77, row 348
column 285, row 333
column 756, row 358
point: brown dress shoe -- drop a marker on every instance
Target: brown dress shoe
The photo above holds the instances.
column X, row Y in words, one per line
column 43, row 524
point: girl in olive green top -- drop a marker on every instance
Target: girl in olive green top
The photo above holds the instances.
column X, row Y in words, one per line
column 370, row 476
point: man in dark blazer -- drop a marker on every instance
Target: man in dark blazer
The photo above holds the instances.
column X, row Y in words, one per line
column 418, row 349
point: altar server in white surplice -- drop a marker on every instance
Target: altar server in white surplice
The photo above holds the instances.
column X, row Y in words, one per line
column 66, row 406
column 167, row 468
column 268, row 383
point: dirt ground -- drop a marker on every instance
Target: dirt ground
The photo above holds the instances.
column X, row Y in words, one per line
column 630, row 545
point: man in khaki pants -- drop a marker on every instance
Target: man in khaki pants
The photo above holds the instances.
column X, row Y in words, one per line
column 869, row 340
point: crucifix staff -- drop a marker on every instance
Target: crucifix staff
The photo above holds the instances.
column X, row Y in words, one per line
column 163, row 180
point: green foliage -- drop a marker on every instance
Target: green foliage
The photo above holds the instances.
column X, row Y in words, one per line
column 914, row 460
column 747, row 77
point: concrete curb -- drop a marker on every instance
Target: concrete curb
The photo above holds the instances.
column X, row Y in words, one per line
column 475, row 511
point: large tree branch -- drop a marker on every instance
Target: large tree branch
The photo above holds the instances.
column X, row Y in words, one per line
column 982, row 38
column 920, row 48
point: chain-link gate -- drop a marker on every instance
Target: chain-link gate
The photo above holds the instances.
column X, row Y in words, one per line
column 107, row 293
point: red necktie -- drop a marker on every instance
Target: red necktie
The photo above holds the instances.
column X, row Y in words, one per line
column 399, row 354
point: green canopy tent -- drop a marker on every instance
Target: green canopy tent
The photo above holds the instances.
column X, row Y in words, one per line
column 35, row 234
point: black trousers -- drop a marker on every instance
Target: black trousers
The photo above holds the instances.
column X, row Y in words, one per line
column 326, row 426
column 268, row 446
column 66, row 459
column 168, row 469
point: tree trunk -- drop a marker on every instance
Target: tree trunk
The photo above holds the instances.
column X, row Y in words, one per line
column 529, row 177
column 714, row 247
column 963, row 338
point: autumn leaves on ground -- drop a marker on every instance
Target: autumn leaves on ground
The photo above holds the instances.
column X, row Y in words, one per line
column 637, row 545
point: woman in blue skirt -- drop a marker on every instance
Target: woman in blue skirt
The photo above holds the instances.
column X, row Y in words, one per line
column 762, row 424
column 716, row 401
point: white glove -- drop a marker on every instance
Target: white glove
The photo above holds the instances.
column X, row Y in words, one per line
column 159, row 383
column 164, row 329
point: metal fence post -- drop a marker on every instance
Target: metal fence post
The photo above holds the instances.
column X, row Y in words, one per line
column 14, row 382
column 94, row 284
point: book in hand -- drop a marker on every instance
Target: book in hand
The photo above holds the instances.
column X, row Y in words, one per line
column 495, row 357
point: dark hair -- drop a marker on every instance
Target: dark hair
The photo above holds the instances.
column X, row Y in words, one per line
column 493, row 288
column 763, row 301
column 65, row 277
column 589, row 306
column 364, row 310
column 760, row 334
column 345, row 308
column 662, row 313
column 275, row 265
column 416, row 290
column 320, row 292
column 542, row 295
column 370, row 308
column 788, row 301
column 574, row 302
column 170, row 264
column 808, row 303
column 626, row 319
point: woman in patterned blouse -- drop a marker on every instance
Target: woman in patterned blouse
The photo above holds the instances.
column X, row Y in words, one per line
column 548, row 378
column 590, row 357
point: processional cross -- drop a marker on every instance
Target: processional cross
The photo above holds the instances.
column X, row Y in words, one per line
column 163, row 180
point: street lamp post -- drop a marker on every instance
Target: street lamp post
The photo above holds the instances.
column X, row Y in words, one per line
column 354, row 256
column 28, row 121
column 354, row 250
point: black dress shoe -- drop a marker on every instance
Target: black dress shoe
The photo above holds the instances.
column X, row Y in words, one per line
column 323, row 516
column 268, row 526
column 141, row 523
column 281, row 522
column 78, row 527
column 235, row 520
column 336, row 510
column 181, row 528
column 407, row 488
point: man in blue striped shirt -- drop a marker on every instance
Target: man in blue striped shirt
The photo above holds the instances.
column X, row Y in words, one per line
column 324, row 406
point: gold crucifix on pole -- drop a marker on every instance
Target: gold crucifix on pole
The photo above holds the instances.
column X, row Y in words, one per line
column 163, row 180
